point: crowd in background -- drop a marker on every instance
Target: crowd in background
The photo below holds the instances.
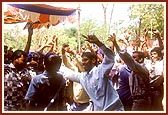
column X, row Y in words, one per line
column 125, row 76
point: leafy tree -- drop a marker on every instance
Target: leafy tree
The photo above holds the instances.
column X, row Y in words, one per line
column 91, row 26
column 13, row 39
column 149, row 16
column 140, row 18
column 71, row 32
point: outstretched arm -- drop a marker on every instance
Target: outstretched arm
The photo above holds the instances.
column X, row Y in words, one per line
column 127, row 58
column 108, row 59
column 93, row 39
column 157, row 33
column 30, row 33
column 113, row 39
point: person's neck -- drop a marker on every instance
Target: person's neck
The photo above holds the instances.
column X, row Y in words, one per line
column 52, row 71
column 90, row 69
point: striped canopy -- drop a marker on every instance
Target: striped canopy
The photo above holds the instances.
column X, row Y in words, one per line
column 40, row 14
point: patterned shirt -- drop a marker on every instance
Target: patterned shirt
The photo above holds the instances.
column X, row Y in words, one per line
column 15, row 88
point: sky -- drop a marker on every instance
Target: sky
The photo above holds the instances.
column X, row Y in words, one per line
column 94, row 10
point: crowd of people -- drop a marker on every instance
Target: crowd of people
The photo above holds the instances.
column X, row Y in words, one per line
column 122, row 77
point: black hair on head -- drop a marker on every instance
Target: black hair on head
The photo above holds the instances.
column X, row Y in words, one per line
column 140, row 54
column 65, row 45
column 91, row 56
column 52, row 59
column 18, row 54
column 158, row 51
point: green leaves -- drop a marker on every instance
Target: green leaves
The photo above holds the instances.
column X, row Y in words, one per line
column 147, row 16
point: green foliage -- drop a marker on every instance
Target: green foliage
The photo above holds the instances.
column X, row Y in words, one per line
column 141, row 16
column 65, row 35
column 91, row 26
column 13, row 39
column 149, row 16
column 72, row 32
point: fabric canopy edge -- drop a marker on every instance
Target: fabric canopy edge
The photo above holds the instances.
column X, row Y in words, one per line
column 46, row 9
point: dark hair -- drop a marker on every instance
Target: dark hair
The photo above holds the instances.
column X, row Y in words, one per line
column 158, row 51
column 141, row 55
column 17, row 54
column 5, row 48
column 65, row 45
column 51, row 60
column 34, row 55
column 90, row 55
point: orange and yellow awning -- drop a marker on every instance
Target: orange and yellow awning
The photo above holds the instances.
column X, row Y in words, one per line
column 41, row 15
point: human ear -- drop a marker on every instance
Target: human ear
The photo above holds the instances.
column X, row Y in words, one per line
column 94, row 61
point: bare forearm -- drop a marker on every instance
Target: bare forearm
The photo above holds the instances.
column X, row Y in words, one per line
column 99, row 43
column 28, row 44
column 160, row 41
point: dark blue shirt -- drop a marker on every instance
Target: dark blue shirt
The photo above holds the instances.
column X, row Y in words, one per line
column 124, row 88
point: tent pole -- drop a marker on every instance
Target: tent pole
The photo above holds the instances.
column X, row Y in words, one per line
column 79, row 42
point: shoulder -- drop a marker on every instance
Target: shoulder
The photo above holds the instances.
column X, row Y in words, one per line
column 59, row 75
column 123, row 67
column 57, row 78
column 39, row 78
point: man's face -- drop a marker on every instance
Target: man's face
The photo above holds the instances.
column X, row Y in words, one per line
column 21, row 62
column 136, row 57
column 67, row 48
column 34, row 63
column 154, row 56
column 87, row 63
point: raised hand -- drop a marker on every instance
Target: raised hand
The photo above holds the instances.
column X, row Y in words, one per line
column 30, row 29
column 112, row 37
column 91, row 38
column 156, row 32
